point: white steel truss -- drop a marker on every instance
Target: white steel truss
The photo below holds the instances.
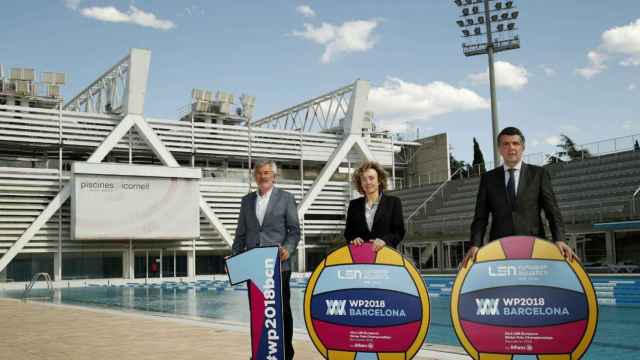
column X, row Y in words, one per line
column 352, row 130
column 109, row 143
column 321, row 113
column 137, row 82
column 342, row 109
column 107, row 94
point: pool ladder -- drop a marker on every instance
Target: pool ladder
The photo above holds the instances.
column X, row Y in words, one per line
column 29, row 287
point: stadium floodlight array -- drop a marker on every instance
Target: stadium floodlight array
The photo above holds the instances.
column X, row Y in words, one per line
column 202, row 95
column 248, row 104
column 498, row 18
column 53, row 81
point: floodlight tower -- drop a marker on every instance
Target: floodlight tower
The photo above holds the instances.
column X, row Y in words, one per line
column 499, row 21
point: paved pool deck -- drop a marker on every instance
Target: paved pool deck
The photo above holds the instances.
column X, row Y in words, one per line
column 37, row 330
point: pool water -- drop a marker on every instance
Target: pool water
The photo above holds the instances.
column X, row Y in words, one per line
column 615, row 337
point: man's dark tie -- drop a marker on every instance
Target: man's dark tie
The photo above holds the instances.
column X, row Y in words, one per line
column 511, row 187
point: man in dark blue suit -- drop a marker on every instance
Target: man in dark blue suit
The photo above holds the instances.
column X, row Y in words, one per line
column 514, row 195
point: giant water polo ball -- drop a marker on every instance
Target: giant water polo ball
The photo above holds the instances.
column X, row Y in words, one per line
column 521, row 297
column 361, row 304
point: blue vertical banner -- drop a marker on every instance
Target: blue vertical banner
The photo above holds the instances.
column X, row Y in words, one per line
column 260, row 269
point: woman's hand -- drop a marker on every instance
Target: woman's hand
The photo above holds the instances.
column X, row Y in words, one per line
column 357, row 241
column 378, row 244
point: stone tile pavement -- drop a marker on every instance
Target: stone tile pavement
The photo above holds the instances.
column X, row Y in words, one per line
column 33, row 330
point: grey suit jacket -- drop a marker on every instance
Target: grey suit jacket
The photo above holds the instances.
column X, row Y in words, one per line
column 280, row 225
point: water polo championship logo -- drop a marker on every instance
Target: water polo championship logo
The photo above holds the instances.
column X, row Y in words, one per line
column 260, row 268
column 521, row 297
column 364, row 304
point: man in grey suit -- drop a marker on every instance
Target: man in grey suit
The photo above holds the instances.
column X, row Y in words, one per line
column 268, row 217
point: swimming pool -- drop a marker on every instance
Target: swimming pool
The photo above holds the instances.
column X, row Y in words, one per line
column 615, row 337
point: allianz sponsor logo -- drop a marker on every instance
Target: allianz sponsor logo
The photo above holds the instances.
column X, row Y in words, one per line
column 363, row 275
column 516, row 347
column 528, row 270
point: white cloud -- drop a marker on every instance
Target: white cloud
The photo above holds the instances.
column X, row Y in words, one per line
column 133, row 16
column 72, row 4
column 624, row 40
column 596, row 65
column 631, row 87
column 108, row 13
column 351, row 36
column 549, row 71
column 553, row 140
column 397, row 102
column 507, row 75
column 306, row 11
column 617, row 41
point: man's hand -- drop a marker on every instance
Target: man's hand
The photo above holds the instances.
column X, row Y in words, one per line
column 284, row 254
column 566, row 251
column 357, row 241
column 378, row 244
column 471, row 255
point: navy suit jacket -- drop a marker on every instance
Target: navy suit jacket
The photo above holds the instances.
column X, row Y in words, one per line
column 522, row 218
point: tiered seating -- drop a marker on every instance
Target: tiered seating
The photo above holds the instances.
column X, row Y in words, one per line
column 597, row 189
column 414, row 196
column 456, row 212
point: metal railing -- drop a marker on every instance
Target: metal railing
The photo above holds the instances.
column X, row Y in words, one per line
column 594, row 150
column 45, row 127
column 432, row 195
column 633, row 200
column 36, row 277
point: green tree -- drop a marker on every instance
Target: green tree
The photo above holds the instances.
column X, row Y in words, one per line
column 568, row 148
column 478, row 165
column 456, row 165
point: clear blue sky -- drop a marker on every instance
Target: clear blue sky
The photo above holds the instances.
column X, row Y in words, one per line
column 409, row 50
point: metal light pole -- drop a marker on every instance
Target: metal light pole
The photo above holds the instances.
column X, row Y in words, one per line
column 492, row 86
column 508, row 40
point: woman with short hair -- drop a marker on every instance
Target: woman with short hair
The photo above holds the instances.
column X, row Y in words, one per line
column 375, row 217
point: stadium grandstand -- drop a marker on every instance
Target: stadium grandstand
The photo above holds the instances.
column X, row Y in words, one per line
column 316, row 144
column 43, row 136
column 598, row 194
